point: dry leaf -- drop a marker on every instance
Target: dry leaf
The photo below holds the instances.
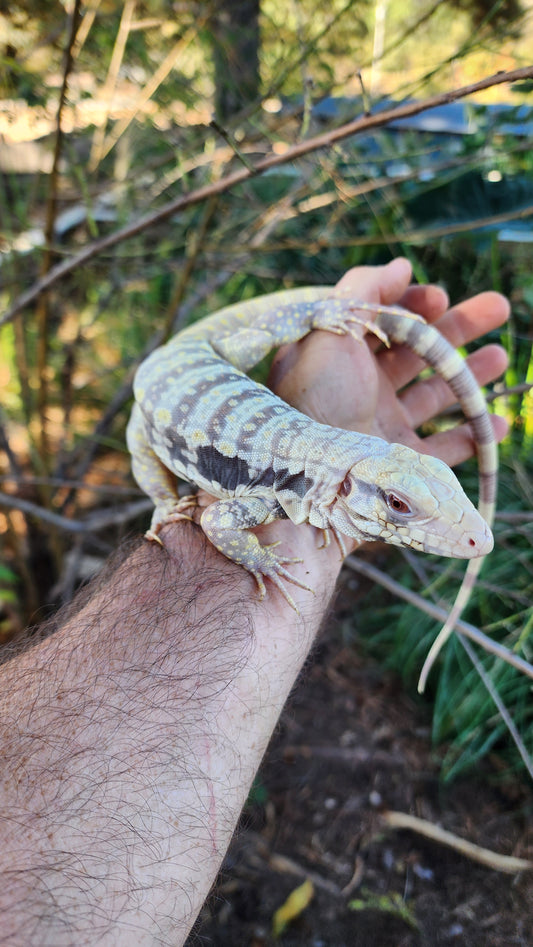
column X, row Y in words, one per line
column 293, row 907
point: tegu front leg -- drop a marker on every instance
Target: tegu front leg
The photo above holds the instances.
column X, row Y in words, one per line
column 227, row 524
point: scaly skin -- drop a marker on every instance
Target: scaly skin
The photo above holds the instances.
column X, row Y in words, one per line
column 199, row 417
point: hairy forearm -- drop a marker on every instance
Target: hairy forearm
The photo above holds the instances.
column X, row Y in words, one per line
column 130, row 738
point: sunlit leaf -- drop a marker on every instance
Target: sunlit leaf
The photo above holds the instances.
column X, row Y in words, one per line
column 295, row 904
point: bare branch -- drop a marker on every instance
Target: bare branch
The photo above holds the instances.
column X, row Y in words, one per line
column 43, row 314
column 502, row 709
column 440, row 614
column 423, row 236
column 505, row 863
column 325, row 140
column 100, row 519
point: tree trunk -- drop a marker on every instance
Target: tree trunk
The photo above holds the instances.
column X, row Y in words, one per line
column 235, row 36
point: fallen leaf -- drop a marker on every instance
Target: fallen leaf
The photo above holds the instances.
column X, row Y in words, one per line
column 293, row 907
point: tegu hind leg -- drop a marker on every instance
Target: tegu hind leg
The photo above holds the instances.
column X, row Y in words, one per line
column 227, row 524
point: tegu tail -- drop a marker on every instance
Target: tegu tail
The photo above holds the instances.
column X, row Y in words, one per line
column 460, row 603
column 427, row 342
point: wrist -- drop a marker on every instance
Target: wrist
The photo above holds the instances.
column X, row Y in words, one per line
column 318, row 566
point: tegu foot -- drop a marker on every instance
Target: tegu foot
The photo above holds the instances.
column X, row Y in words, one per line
column 227, row 524
column 171, row 513
column 343, row 318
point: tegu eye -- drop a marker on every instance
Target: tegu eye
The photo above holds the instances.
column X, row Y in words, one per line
column 396, row 504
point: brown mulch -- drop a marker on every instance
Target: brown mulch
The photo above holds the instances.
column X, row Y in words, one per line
column 350, row 745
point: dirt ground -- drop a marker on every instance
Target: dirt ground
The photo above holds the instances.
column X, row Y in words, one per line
column 351, row 745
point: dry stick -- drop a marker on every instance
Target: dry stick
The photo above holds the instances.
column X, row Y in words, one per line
column 229, row 139
column 502, row 709
column 411, row 236
column 152, row 85
column 193, row 249
column 5, row 446
column 243, row 174
column 440, row 614
column 66, row 482
column 109, row 86
column 462, row 628
column 43, row 313
column 281, row 863
column 484, row 856
column 98, row 520
column 89, row 15
column 515, row 517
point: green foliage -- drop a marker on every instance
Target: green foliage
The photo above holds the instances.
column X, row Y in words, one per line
column 465, row 720
column 393, row 904
column 8, row 582
column 137, row 136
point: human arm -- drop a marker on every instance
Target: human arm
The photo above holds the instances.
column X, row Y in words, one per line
column 131, row 736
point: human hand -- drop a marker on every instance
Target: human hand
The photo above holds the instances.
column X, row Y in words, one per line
column 361, row 387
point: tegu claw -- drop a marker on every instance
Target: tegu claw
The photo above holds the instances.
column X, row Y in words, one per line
column 276, row 572
column 151, row 536
column 275, row 578
column 170, row 514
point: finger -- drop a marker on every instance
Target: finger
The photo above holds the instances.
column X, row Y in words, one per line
column 428, row 301
column 457, row 445
column 459, row 325
column 428, row 398
column 380, row 284
column 474, row 317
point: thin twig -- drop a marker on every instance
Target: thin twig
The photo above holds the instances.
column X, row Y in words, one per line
column 524, row 516
column 488, row 645
column 89, row 15
column 43, row 314
column 440, row 614
column 152, row 85
column 286, row 865
column 195, row 244
column 229, row 139
column 272, row 160
column 109, row 86
column 348, row 755
column 484, row 856
column 16, row 469
column 98, row 520
column 502, row 709
column 424, row 236
column 66, row 483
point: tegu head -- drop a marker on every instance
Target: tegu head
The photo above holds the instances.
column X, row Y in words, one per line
column 409, row 499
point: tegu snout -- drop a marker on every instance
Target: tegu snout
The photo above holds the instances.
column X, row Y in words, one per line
column 410, row 499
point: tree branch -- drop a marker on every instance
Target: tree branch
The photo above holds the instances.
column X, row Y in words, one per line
column 324, row 140
column 440, row 614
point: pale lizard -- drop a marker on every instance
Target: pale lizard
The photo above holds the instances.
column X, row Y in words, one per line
column 198, row 416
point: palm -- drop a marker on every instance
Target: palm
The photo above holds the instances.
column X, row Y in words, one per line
column 362, row 387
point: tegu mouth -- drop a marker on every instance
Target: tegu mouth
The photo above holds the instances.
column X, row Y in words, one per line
column 472, row 545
